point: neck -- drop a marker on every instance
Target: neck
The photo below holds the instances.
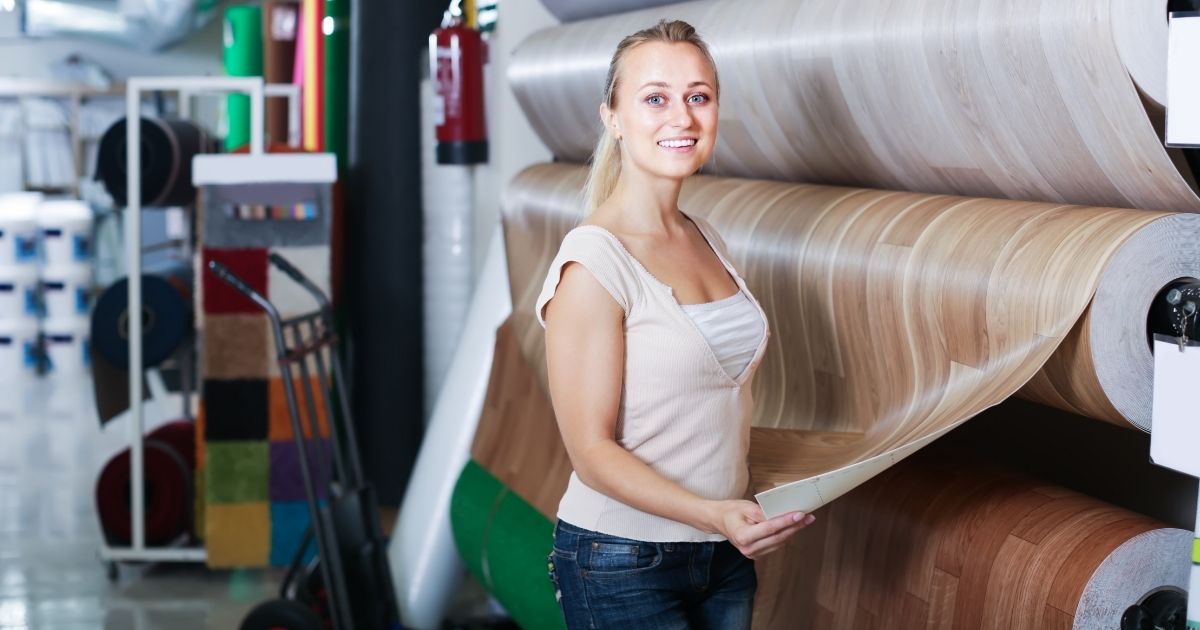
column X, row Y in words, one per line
column 646, row 204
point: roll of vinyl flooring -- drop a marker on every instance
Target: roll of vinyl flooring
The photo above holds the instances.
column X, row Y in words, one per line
column 166, row 319
column 573, row 10
column 1042, row 100
column 938, row 306
column 242, row 46
column 168, row 147
column 168, row 484
column 939, row 542
column 425, row 569
column 505, row 542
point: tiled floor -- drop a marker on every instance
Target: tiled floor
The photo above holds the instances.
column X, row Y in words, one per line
column 51, row 449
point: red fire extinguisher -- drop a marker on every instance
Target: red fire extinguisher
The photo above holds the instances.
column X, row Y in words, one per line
column 456, row 56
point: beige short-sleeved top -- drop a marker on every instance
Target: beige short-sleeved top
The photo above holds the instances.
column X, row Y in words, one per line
column 680, row 411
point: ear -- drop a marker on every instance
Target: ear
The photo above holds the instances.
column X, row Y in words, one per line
column 608, row 118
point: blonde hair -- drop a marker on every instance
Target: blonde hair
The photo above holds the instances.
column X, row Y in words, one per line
column 605, row 169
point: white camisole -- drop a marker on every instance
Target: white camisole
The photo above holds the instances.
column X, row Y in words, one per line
column 732, row 327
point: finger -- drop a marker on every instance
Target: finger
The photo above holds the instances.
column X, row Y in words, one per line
column 762, row 546
column 768, row 527
column 778, row 539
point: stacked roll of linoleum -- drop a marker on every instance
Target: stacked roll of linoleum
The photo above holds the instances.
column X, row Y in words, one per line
column 938, row 204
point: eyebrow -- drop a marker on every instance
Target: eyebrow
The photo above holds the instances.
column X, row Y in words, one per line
column 662, row 84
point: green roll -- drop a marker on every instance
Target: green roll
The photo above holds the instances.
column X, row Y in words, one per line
column 504, row 543
column 243, row 57
column 337, row 78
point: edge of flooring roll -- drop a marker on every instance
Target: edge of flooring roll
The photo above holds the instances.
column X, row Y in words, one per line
column 1149, row 561
column 1135, row 23
column 421, row 553
column 1105, row 369
column 1161, row 252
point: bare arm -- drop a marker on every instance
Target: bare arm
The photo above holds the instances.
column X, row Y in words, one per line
column 585, row 357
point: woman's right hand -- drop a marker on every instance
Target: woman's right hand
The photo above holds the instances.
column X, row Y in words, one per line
column 748, row 529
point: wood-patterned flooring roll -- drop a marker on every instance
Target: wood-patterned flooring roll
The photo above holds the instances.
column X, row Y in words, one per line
column 932, row 543
column 1047, row 100
column 897, row 316
column 942, row 543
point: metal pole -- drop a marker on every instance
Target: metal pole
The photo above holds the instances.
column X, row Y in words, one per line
column 133, row 241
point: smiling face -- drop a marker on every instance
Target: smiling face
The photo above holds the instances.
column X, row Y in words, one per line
column 664, row 110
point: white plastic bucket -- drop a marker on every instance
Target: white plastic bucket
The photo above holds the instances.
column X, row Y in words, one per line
column 66, row 345
column 18, row 228
column 66, row 229
column 65, row 290
column 18, row 349
column 18, row 291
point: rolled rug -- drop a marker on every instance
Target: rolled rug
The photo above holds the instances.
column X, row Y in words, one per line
column 168, row 147
column 168, row 483
column 166, row 318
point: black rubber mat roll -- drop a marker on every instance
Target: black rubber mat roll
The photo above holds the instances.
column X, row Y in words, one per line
column 168, row 147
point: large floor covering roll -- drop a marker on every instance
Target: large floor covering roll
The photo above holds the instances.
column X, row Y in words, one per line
column 898, row 316
column 939, row 541
column 1050, row 100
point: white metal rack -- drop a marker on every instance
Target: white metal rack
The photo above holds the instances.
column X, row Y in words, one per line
column 186, row 87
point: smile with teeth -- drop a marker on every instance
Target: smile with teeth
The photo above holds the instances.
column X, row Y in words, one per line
column 677, row 144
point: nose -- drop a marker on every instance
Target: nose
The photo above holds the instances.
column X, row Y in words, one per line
column 680, row 114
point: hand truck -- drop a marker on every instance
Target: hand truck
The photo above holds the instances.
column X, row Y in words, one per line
column 348, row 584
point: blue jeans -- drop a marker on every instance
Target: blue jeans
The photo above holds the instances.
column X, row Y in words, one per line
column 609, row 582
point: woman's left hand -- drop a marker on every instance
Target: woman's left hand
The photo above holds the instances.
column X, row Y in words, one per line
column 755, row 535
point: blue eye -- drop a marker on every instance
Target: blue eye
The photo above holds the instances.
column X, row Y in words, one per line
column 698, row 98
column 655, row 99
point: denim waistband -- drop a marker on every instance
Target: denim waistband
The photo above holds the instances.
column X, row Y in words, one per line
column 564, row 529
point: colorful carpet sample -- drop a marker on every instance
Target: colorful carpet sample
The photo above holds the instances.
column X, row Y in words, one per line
column 255, row 510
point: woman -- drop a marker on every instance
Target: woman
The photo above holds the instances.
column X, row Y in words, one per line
column 651, row 341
